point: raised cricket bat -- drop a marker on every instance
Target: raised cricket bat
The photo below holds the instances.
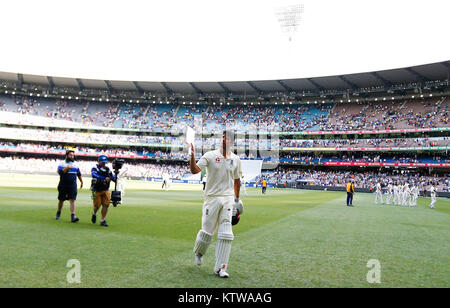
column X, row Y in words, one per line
column 190, row 137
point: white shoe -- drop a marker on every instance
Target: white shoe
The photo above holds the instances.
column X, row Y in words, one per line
column 198, row 260
column 221, row 272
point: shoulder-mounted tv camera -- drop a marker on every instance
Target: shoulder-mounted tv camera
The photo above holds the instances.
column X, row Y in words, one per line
column 116, row 196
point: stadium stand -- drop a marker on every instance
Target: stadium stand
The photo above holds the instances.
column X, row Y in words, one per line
column 387, row 138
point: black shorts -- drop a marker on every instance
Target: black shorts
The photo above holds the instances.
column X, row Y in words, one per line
column 67, row 193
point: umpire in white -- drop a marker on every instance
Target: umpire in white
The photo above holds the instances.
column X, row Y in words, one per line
column 221, row 201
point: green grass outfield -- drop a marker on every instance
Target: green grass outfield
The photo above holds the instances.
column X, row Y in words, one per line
column 288, row 238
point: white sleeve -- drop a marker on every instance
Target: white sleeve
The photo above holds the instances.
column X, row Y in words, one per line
column 238, row 171
column 203, row 162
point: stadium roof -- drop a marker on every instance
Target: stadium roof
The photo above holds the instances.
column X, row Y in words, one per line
column 414, row 74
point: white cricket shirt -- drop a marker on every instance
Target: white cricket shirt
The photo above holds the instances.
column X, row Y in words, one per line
column 221, row 172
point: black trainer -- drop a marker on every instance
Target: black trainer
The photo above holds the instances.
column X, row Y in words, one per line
column 74, row 218
column 104, row 224
column 58, row 215
column 94, row 218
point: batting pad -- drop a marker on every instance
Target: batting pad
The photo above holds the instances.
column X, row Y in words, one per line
column 202, row 242
column 225, row 231
column 223, row 249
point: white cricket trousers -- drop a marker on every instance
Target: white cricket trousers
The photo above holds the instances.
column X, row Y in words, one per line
column 216, row 211
column 433, row 201
column 378, row 197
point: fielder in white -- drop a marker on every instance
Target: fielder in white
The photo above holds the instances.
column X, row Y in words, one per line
column 414, row 193
column 396, row 193
column 221, row 201
column 378, row 194
column 405, row 195
column 243, row 186
column 433, row 195
column 390, row 191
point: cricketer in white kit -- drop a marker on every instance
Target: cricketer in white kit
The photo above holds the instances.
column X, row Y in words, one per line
column 378, row 194
column 390, row 191
column 396, row 194
column 221, row 201
column 405, row 195
column 433, row 195
column 243, row 186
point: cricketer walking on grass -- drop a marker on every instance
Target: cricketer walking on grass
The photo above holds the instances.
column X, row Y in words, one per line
column 221, row 201
column 433, row 195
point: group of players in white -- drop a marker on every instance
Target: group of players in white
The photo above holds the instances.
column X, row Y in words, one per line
column 402, row 194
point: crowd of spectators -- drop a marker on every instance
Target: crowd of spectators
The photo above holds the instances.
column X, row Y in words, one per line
column 283, row 157
column 42, row 135
column 170, row 117
column 413, row 113
column 136, row 170
column 373, row 142
column 280, row 175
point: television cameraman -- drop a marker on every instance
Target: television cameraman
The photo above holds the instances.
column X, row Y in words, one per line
column 101, row 196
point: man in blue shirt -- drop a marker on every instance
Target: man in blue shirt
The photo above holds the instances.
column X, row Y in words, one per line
column 67, row 187
column 101, row 179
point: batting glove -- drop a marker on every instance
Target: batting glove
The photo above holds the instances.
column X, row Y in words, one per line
column 238, row 205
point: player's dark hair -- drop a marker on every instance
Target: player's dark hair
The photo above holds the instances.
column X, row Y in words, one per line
column 69, row 151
